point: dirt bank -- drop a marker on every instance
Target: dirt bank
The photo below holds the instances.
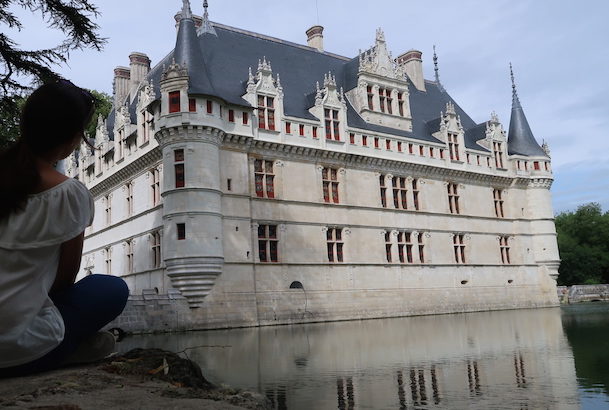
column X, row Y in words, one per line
column 139, row 379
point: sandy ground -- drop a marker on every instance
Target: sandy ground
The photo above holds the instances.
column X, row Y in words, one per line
column 141, row 379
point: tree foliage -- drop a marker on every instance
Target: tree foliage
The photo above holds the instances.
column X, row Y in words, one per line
column 583, row 242
column 103, row 105
column 21, row 69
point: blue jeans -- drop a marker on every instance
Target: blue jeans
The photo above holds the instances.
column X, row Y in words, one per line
column 85, row 307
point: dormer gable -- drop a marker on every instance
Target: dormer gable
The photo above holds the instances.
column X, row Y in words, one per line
column 451, row 132
column 331, row 108
column 266, row 94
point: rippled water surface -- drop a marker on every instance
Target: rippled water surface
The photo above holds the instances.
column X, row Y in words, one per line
column 556, row 358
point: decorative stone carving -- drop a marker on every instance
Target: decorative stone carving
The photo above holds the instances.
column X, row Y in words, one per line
column 174, row 71
column 377, row 60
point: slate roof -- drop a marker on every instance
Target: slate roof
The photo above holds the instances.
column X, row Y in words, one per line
column 520, row 137
column 218, row 66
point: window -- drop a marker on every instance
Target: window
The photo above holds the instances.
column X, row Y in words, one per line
column 401, row 104
column 399, row 146
column 459, row 248
column 178, row 156
column 181, row 231
column 421, row 247
column 504, row 248
column 467, row 157
column 498, row 153
column 453, row 146
column 129, row 256
column 536, row 165
column 210, row 106
column 264, row 178
column 382, row 99
column 453, row 198
column 129, row 198
column 174, row 101
column 364, row 140
column 156, row 249
column 388, row 246
column 267, row 243
column 108, row 260
column 498, row 200
column 301, row 129
column 405, row 247
column 376, row 142
column 329, row 177
column 441, row 153
column 399, row 193
column 389, row 102
column 229, row 184
column 415, row 193
column 421, row 150
column 145, row 119
column 383, row 190
column 108, row 210
column 370, row 98
column 332, row 124
column 288, row 127
column 245, row 118
column 431, row 152
column 388, row 144
column 192, row 105
column 314, row 130
column 410, row 148
column 334, row 240
column 231, row 115
column 488, row 162
column 266, row 112
column 351, row 138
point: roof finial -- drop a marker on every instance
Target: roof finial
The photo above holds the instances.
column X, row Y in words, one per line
column 436, row 70
column 206, row 26
column 186, row 12
column 515, row 100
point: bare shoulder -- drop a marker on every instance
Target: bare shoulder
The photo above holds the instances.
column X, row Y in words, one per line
column 49, row 178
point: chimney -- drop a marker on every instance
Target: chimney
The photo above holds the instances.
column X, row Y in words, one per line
column 412, row 63
column 140, row 66
column 315, row 37
column 121, row 84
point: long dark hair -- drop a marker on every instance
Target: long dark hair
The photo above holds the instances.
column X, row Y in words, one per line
column 52, row 115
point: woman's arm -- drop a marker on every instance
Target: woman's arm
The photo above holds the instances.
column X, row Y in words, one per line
column 70, row 255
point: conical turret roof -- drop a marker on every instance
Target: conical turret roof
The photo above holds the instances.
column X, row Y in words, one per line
column 520, row 137
column 188, row 52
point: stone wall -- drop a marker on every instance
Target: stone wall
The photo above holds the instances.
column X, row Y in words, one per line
column 582, row 293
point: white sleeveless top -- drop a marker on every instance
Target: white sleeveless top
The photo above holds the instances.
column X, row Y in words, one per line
column 30, row 240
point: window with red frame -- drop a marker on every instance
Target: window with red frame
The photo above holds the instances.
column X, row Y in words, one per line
column 504, row 248
column 498, row 154
column 268, row 243
column 351, row 138
column 453, row 146
column 301, row 129
column 498, row 201
column 453, row 198
column 399, row 193
column 314, row 128
column 245, row 118
column 399, row 146
column 231, row 115
column 329, row 177
column 266, row 112
column 376, row 142
column 192, row 105
column 388, row 144
column 459, row 248
column 415, row 193
column 178, row 157
column 420, row 239
column 405, row 247
column 383, row 189
column 288, row 127
column 364, row 140
column 210, row 106
column 388, row 246
column 334, row 242
column 332, row 124
column 174, row 101
column 401, row 104
column 264, row 178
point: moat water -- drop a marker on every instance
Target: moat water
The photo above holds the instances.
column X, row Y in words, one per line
column 555, row 358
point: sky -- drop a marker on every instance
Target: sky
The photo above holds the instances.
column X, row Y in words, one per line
column 558, row 49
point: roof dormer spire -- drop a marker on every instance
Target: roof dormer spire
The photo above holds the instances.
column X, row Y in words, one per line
column 515, row 100
column 436, row 70
column 186, row 12
column 206, row 26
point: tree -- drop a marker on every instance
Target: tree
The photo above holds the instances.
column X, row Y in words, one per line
column 73, row 18
column 103, row 105
column 583, row 242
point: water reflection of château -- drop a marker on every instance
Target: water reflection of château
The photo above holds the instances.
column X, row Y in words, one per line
column 507, row 359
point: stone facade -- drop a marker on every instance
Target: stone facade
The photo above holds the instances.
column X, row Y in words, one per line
column 258, row 216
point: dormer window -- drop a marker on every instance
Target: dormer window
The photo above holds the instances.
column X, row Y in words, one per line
column 332, row 124
column 453, row 146
column 192, row 105
column 498, row 154
column 174, row 101
column 401, row 104
column 370, row 98
column 266, row 112
column 382, row 92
